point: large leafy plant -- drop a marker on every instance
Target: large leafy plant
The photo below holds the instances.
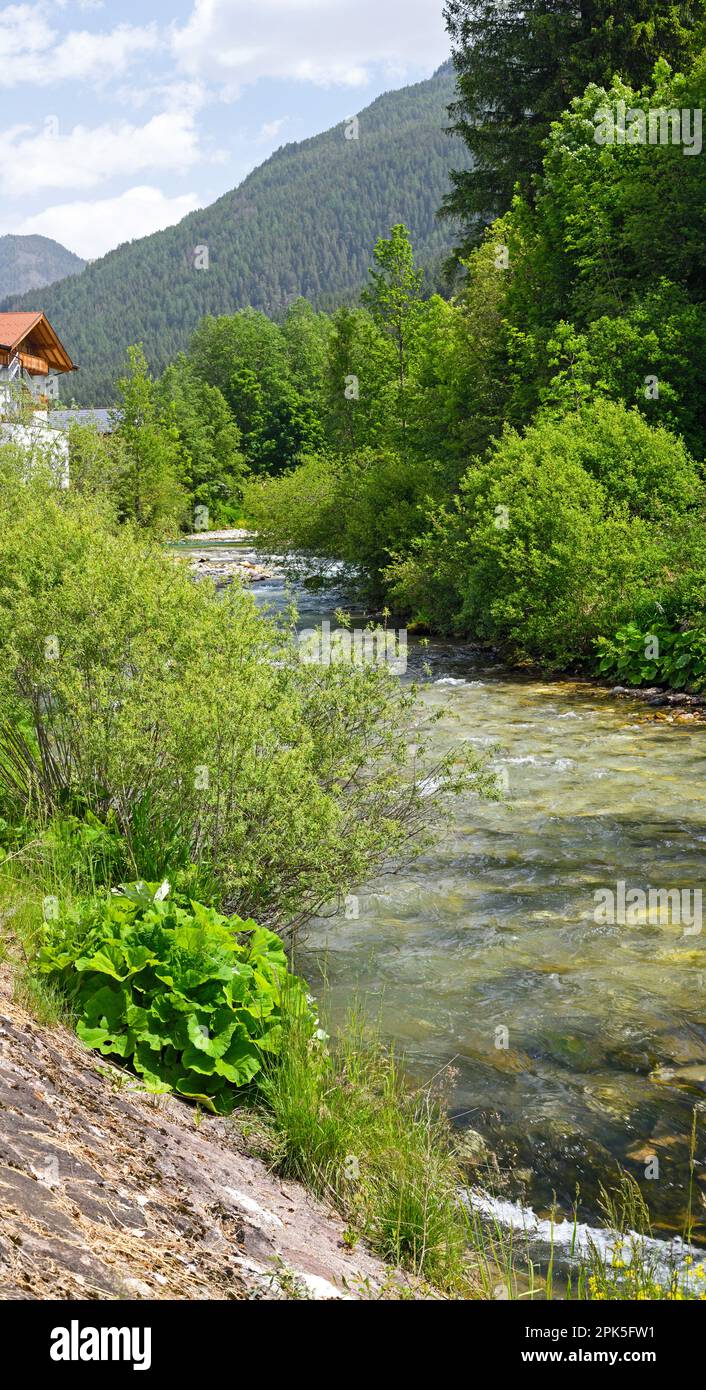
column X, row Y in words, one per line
column 190, row 999
column 656, row 655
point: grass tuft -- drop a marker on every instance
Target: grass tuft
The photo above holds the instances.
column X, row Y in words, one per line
column 351, row 1130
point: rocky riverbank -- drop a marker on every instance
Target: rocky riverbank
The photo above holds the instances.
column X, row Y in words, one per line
column 108, row 1193
column 223, row 565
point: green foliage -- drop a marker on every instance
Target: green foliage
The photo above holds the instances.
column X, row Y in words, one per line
column 657, row 655
column 269, row 784
column 642, row 466
column 211, row 467
column 149, row 490
column 393, row 297
column 261, row 371
column 541, row 552
column 98, row 464
column 359, row 509
column 598, row 299
column 519, row 65
column 352, row 1131
column 190, row 999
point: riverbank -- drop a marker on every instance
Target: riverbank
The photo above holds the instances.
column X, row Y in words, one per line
column 496, row 926
column 479, row 931
column 215, row 555
column 110, row 1193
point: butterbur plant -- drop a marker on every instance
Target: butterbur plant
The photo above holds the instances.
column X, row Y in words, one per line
column 658, row 655
column 190, row 999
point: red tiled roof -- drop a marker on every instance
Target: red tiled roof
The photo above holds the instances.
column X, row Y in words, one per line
column 15, row 327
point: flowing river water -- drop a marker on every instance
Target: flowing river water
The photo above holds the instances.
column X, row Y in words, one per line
column 604, row 1055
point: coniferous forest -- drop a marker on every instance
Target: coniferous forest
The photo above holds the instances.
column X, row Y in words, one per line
column 303, row 223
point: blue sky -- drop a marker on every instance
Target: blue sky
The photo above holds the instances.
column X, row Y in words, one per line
column 116, row 119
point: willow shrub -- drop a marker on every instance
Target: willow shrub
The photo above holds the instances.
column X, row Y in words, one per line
column 558, row 537
column 186, row 720
column 357, row 510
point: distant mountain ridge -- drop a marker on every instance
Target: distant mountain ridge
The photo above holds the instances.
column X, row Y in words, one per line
column 30, row 262
column 302, row 223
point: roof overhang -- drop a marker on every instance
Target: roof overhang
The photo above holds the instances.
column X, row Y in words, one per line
column 15, row 329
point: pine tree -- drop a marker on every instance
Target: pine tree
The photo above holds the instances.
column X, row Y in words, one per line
column 520, row 62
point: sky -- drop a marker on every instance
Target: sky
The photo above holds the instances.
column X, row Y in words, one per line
column 118, row 117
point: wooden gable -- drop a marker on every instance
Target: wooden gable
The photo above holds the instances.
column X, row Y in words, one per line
column 32, row 338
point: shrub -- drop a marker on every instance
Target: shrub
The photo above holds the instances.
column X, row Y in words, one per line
column 190, row 999
column 188, row 721
column 641, row 465
column 359, row 510
column 541, row 554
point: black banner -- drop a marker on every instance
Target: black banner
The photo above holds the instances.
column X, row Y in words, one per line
column 141, row 1338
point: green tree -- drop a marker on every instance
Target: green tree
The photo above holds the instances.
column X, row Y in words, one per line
column 394, row 298
column 213, row 466
column 360, row 383
column 254, row 364
column 518, row 66
column 598, row 297
column 150, row 491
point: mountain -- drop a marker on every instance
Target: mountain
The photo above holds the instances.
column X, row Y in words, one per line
column 302, row 223
column 29, row 262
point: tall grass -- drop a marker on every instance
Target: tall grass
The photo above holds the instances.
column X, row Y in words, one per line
column 353, row 1132
column 44, row 867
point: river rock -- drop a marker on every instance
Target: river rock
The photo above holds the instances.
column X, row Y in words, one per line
column 225, row 571
column 470, row 1148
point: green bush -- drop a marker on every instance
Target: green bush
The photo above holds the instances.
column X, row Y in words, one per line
column 641, row 465
column 187, row 721
column 545, row 549
column 190, row 999
column 359, row 510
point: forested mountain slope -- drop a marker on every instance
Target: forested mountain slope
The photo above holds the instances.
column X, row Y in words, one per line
column 28, row 262
column 303, row 223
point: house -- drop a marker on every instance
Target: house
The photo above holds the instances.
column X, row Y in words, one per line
column 32, row 357
column 32, row 354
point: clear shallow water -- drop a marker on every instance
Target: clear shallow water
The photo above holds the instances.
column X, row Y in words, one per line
column 606, row 1024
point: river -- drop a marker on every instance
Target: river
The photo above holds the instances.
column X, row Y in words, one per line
column 575, row 1047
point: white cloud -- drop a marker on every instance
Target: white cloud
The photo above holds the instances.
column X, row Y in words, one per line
column 326, row 42
column 23, row 31
column 85, row 157
column 271, row 129
column 92, row 228
column 99, row 57
column 32, row 53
